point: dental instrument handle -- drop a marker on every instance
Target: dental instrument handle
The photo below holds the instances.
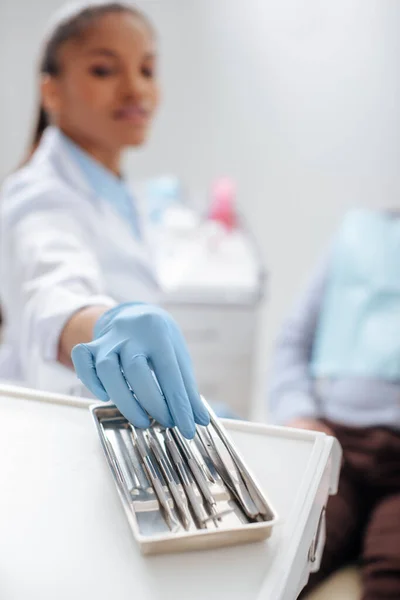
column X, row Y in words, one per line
column 188, row 485
column 175, row 492
column 254, row 493
column 155, row 481
column 195, row 468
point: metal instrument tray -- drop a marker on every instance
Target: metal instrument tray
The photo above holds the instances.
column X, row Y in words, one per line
column 158, row 494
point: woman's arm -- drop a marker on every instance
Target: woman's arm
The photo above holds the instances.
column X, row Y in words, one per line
column 132, row 353
column 50, row 265
column 291, row 395
column 78, row 330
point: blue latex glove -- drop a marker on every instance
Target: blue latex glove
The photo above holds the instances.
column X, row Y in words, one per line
column 131, row 342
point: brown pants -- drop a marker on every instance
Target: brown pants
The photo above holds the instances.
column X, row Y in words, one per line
column 363, row 520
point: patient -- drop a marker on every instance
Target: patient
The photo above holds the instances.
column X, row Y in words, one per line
column 336, row 369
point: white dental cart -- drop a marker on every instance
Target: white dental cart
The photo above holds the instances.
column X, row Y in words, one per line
column 222, row 340
column 64, row 532
column 213, row 290
column 220, row 319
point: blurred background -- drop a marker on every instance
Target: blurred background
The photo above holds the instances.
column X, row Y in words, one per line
column 296, row 102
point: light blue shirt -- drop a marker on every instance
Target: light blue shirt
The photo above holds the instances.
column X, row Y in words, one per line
column 358, row 331
column 295, row 392
column 105, row 184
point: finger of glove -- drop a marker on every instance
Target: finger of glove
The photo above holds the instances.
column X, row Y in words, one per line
column 200, row 412
column 201, row 415
column 142, row 381
column 83, row 361
column 167, row 371
column 114, row 382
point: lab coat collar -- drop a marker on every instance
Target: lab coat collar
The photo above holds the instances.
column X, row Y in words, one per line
column 52, row 148
column 82, row 172
column 103, row 182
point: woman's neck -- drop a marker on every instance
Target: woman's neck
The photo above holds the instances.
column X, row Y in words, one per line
column 109, row 158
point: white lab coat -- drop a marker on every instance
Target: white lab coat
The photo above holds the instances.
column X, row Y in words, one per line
column 63, row 249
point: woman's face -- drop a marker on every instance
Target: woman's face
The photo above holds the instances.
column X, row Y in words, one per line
column 106, row 91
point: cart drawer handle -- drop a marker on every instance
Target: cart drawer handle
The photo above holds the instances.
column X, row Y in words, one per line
column 312, row 553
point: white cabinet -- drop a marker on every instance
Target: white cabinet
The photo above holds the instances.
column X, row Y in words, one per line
column 222, row 341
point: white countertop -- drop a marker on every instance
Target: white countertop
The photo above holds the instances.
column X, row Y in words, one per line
column 64, row 534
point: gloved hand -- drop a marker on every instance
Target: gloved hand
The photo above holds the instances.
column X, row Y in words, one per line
column 131, row 342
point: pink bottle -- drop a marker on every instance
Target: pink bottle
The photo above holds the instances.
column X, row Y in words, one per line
column 222, row 208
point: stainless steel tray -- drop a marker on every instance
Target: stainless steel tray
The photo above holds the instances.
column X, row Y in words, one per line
column 168, row 507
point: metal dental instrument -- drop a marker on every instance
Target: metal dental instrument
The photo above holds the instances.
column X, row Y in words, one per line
column 198, row 475
column 156, row 482
column 200, row 460
column 251, row 488
column 141, row 519
column 135, row 459
column 188, row 485
column 229, row 473
column 207, row 460
column 114, row 461
column 116, row 443
column 178, row 496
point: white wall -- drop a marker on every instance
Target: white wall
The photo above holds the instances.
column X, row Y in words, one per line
column 298, row 100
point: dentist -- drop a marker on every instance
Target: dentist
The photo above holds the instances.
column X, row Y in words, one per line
column 78, row 292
